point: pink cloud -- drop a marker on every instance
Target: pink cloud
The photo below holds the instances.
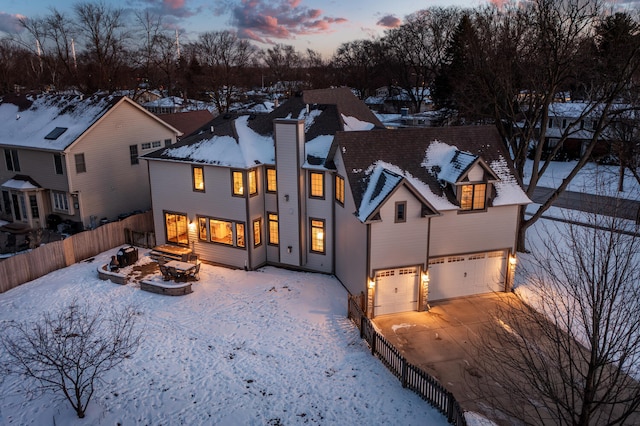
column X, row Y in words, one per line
column 174, row 4
column 389, row 21
column 280, row 19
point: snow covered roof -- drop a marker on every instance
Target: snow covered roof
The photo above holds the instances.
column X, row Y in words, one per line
column 414, row 154
column 52, row 122
column 21, row 182
column 325, row 112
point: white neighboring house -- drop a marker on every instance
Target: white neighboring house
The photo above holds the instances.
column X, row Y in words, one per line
column 75, row 157
column 403, row 216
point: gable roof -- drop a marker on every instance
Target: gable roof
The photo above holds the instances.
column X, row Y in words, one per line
column 418, row 155
column 37, row 121
column 187, row 122
column 325, row 112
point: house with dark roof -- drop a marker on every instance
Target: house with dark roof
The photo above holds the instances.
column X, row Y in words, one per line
column 401, row 216
column 76, row 158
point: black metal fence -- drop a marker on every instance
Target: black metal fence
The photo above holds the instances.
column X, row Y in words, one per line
column 410, row 376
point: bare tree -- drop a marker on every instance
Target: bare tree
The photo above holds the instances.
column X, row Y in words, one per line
column 69, row 351
column 356, row 63
column 284, row 63
column 571, row 353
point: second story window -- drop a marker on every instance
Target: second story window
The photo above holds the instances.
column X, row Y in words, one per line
column 401, row 212
column 340, row 189
column 11, row 158
column 253, row 182
column 57, row 163
column 238, row 183
column 198, row 178
column 271, row 180
column 473, row 196
column 316, row 184
column 81, row 166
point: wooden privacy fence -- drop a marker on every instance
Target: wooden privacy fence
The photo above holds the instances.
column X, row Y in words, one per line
column 410, row 376
column 25, row 267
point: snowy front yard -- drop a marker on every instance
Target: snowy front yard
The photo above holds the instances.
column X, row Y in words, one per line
column 245, row 348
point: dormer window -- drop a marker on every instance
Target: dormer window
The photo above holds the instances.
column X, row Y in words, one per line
column 473, row 196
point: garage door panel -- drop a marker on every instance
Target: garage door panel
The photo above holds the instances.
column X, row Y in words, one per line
column 396, row 290
column 465, row 275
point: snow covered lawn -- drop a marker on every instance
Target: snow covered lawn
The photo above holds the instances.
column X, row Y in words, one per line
column 245, row 348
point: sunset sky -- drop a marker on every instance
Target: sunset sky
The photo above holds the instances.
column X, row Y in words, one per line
column 321, row 25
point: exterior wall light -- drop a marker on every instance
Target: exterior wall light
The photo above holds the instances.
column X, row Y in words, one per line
column 371, row 283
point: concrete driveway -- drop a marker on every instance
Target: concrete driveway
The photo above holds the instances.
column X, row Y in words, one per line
column 441, row 342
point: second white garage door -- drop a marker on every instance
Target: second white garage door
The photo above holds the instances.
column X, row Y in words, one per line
column 466, row 275
column 396, row 290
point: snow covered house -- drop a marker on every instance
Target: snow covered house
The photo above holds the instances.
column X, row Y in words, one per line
column 404, row 216
column 76, row 158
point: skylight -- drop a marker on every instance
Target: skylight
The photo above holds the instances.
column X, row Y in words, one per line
column 55, row 133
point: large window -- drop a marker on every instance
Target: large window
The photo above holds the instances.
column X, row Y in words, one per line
column 340, row 189
column 198, row 178
column 238, row 183
column 473, row 196
column 253, row 183
column 317, row 235
column 60, row 201
column 33, row 203
column 221, row 231
column 271, row 180
column 316, row 184
column 11, row 158
column 81, row 166
column 257, row 232
column 176, row 227
column 133, row 154
column 273, row 229
column 57, row 163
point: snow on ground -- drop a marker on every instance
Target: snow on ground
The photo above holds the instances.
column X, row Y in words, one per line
column 267, row 347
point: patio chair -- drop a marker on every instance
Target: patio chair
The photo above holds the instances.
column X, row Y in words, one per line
column 196, row 272
column 165, row 272
column 175, row 274
column 192, row 258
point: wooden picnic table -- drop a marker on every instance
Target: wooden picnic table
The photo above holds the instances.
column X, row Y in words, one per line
column 183, row 269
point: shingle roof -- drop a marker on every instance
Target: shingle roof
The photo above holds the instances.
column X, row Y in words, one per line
column 187, row 122
column 403, row 151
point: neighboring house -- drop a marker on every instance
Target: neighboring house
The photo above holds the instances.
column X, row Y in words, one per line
column 76, row 158
column 319, row 185
column 174, row 104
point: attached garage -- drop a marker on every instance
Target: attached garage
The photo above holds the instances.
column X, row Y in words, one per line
column 396, row 290
column 467, row 274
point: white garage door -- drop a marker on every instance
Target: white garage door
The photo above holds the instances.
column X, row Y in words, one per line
column 465, row 275
column 396, row 290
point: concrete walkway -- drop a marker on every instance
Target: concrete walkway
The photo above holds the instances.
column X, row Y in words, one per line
column 441, row 340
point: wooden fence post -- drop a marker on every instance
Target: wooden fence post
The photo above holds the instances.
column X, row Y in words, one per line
column 373, row 343
column 449, row 407
column 405, row 371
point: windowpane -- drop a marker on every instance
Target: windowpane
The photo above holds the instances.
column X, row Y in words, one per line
column 60, row 201
column 133, row 154
column 479, row 192
column 401, row 212
column 221, row 231
column 238, row 184
column 176, row 226
column 257, row 232
column 317, row 184
column 198, row 179
column 273, row 229
column 202, row 228
column 253, row 184
column 467, row 197
column 317, row 235
column 81, row 167
column 473, row 197
column 11, row 158
column 57, row 163
column 339, row 189
column 33, row 201
column 240, row 234
column 271, row 180
column 167, row 142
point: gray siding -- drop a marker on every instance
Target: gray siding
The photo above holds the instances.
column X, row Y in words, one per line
column 399, row 244
column 493, row 229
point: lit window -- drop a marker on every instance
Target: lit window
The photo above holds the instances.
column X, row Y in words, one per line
column 316, row 184
column 240, row 234
column 317, row 235
column 339, row 189
column 401, row 211
column 473, row 196
column 221, row 231
column 202, row 228
column 81, row 166
column 271, row 180
column 257, row 232
column 198, row 178
column 176, row 227
column 273, row 229
column 238, row 183
column 253, row 183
